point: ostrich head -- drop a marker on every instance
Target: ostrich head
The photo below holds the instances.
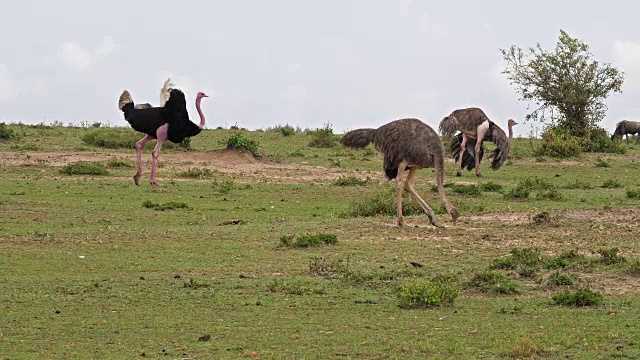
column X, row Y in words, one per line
column 201, row 95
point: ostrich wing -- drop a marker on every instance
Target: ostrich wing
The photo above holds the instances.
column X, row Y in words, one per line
column 497, row 136
column 464, row 120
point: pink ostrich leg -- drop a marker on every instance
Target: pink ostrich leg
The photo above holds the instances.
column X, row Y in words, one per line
column 161, row 136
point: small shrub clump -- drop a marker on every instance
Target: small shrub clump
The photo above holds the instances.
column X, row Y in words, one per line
column 196, row 173
column 383, row 203
column 240, row 142
column 425, row 294
column 309, row 240
column 323, row 137
column 350, row 181
column 84, row 168
column 559, row 279
column 6, row 133
column 171, row 205
column 492, row 282
column 579, row 298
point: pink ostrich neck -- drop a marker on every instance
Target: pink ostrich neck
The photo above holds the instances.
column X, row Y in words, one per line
column 202, row 119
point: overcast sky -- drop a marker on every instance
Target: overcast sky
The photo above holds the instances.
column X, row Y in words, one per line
column 350, row 63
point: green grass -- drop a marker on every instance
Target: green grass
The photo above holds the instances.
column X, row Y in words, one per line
column 92, row 268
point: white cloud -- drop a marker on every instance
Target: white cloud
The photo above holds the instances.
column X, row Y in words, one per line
column 627, row 55
column 81, row 58
column 13, row 86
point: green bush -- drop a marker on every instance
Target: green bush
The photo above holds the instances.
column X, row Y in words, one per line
column 240, row 142
column 309, row 240
column 112, row 138
column 559, row 143
column 6, row 133
column 323, row 137
column 383, row 203
column 425, row 294
column 581, row 297
column 84, row 168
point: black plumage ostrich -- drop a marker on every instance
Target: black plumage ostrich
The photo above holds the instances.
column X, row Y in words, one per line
column 475, row 127
column 406, row 144
column 170, row 122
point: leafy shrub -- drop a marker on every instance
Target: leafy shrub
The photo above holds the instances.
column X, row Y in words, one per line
column 240, row 142
column 559, row 143
column 119, row 163
column 559, row 279
column 350, row 181
column 171, row 205
column 492, row 282
column 610, row 256
column 541, row 218
column 196, row 173
column 612, row 184
column 84, row 168
column 490, row 187
column 383, row 203
column 112, row 138
column 424, row 294
column 518, row 192
column 600, row 162
column 6, row 133
column 565, row 260
column 633, row 194
column 304, row 241
column 581, row 297
column 471, row 190
column 577, row 184
column 323, row 137
column 599, row 141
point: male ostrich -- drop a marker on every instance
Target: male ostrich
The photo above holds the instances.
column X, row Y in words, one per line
column 164, row 96
column 475, row 127
column 407, row 144
column 626, row 127
column 170, row 122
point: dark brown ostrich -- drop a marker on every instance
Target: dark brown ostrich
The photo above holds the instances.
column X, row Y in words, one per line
column 406, row 144
column 170, row 122
column 475, row 127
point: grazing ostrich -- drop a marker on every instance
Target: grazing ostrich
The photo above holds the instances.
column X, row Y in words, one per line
column 475, row 127
column 626, row 127
column 407, row 144
column 164, row 95
column 170, row 122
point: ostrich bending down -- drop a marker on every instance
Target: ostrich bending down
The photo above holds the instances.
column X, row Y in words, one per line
column 626, row 127
column 406, row 144
column 170, row 122
column 164, row 96
column 475, row 127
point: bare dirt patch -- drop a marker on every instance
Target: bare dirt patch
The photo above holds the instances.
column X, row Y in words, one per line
column 225, row 161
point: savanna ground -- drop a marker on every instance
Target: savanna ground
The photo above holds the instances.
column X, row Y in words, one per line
column 208, row 265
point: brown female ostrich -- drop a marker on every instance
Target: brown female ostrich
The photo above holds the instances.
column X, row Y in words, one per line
column 475, row 127
column 406, row 144
column 626, row 127
column 170, row 122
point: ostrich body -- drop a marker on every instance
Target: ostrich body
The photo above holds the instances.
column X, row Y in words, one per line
column 467, row 146
column 406, row 144
column 626, row 127
column 164, row 95
column 170, row 122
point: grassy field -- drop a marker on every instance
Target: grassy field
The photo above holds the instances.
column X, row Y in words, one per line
column 295, row 254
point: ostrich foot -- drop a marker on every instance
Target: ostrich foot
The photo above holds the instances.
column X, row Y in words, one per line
column 459, row 173
column 154, row 183
column 400, row 221
column 136, row 179
column 478, row 175
column 432, row 220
